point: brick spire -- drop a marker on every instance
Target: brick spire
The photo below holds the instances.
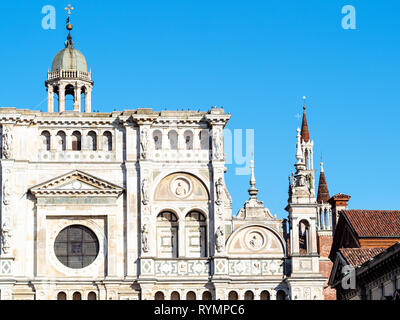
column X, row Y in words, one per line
column 323, row 192
column 305, row 135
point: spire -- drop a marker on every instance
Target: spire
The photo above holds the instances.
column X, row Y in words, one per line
column 323, row 192
column 305, row 135
column 253, row 190
column 299, row 151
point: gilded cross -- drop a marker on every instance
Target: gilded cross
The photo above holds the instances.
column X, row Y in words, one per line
column 69, row 9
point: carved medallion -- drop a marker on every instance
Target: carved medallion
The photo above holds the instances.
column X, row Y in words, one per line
column 181, row 187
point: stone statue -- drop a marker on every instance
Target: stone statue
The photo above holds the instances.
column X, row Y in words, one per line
column 144, row 139
column 145, row 191
column 145, row 242
column 219, row 186
column 6, row 192
column 5, row 236
column 219, row 239
column 7, row 139
column 217, row 141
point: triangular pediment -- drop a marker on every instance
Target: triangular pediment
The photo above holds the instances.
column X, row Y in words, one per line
column 76, row 183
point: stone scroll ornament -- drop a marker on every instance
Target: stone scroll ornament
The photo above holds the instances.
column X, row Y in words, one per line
column 7, row 139
column 145, row 239
column 145, row 191
column 144, row 142
column 219, row 239
column 5, row 236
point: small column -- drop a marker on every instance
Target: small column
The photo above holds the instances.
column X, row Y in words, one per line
column 77, row 99
column 50, row 99
column 61, row 98
column 196, row 140
column 88, row 100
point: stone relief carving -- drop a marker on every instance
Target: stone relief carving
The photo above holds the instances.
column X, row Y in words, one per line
column 145, row 191
column 219, row 186
column 181, row 187
column 144, row 142
column 7, row 139
column 5, row 236
column 219, row 239
column 255, row 240
column 145, row 241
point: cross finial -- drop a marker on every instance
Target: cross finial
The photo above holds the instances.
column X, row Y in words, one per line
column 304, row 102
column 69, row 9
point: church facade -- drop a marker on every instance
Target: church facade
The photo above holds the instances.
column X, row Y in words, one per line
column 133, row 205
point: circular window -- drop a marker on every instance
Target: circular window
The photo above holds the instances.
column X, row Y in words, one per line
column 76, row 246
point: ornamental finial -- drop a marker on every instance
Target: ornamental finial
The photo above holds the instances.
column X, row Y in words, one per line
column 69, row 43
column 253, row 191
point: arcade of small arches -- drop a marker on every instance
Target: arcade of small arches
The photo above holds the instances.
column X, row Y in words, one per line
column 265, row 294
column 189, row 139
column 76, row 90
column 59, row 141
column 76, row 295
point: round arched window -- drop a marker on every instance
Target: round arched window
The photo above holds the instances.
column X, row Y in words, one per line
column 76, row 246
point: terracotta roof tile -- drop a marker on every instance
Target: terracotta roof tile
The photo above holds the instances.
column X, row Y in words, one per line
column 374, row 223
column 357, row 256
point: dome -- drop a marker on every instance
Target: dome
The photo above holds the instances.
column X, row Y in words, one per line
column 69, row 59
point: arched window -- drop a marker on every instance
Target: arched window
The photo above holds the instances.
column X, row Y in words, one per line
column 107, row 141
column 157, row 138
column 167, row 235
column 175, row 296
column 304, row 237
column 190, row 296
column 76, row 296
column 188, row 135
column 159, row 296
column 92, row 296
column 233, row 295
column 249, row 295
column 265, row 295
column 61, row 143
column 61, row 296
column 46, row 140
column 173, row 140
column 69, row 97
column 204, row 139
column 196, row 234
column 92, row 141
column 207, row 295
column 280, row 295
column 76, row 141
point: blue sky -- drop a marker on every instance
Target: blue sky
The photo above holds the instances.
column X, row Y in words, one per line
column 256, row 59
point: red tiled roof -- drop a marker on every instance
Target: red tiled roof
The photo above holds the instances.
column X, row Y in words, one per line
column 374, row 223
column 357, row 256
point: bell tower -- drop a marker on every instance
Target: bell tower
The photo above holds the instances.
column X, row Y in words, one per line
column 305, row 280
column 69, row 76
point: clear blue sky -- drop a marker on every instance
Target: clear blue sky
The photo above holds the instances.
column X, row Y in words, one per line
column 254, row 58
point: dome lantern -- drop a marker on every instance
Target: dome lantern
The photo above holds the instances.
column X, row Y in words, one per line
column 69, row 75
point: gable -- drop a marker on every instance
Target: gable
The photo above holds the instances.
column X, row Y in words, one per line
column 76, row 183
